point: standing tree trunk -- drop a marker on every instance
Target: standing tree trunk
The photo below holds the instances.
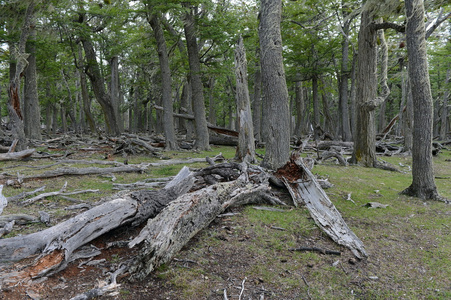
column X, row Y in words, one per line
column 202, row 137
column 257, row 103
column 98, row 85
column 316, row 113
column 115, row 91
column 423, row 184
column 383, row 58
column 445, row 110
column 166, row 83
column 299, row 105
column 408, row 117
column 246, row 144
column 211, row 102
column 367, row 99
column 345, row 126
column 32, row 112
column 186, row 104
column 353, row 105
column 85, row 94
column 365, row 137
column 274, row 85
column 19, row 55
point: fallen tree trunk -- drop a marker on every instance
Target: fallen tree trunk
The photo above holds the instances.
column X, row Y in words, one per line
column 326, row 145
column 177, row 217
column 56, row 244
column 16, row 155
column 166, row 234
column 140, row 168
column 305, row 189
column 212, row 127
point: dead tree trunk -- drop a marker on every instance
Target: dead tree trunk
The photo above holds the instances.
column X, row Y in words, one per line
column 166, row 234
column 177, row 217
column 57, row 244
column 246, row 144
column 305, row 189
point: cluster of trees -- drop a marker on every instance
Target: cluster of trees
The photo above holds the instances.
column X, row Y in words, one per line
column 338, row 67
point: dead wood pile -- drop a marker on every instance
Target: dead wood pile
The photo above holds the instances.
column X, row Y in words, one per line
column 174, row 214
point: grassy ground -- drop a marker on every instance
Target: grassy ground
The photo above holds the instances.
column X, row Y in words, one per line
column 409, row 242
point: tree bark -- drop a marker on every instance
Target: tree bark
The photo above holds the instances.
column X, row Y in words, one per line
column 316, row 113
column 423, row 184
column 202, row 137
column 257, row 103
column 19, row 55
column 277, row 133
column 300, row 107
column 345, row 126
column 367, row 99
column 85, row 94
column 246, row 143
column 166, row 83
column 98, row 86
column 57, row 244
column 211, row 101
column 32, row 111
column 444, row 116
column 115, row 91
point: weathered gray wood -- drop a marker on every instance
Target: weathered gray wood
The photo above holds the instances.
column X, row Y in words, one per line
column 328, row 154
column 246, row 143
column 16, row 155
column 88, row 171
column 326, row 145
column 144, row 144
column 307, row 190
column 56, row 244
column 171, row 229
column 3, row 200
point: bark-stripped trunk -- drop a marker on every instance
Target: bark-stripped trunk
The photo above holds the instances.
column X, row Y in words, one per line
column 423, row 184
column 246, row 144
column 277, row 122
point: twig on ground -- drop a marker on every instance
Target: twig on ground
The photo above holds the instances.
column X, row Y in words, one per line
column 308, row 286
column 314, row 249
column 242, row 288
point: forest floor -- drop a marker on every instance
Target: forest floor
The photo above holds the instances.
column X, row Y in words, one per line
column 247, row 255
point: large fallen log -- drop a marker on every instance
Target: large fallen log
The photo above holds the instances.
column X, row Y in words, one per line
column 210, row 126
column 174, row 217
column 167, row 233
column 71, row 171
column 56, row 244
column 305, row 189
column 16, row 155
